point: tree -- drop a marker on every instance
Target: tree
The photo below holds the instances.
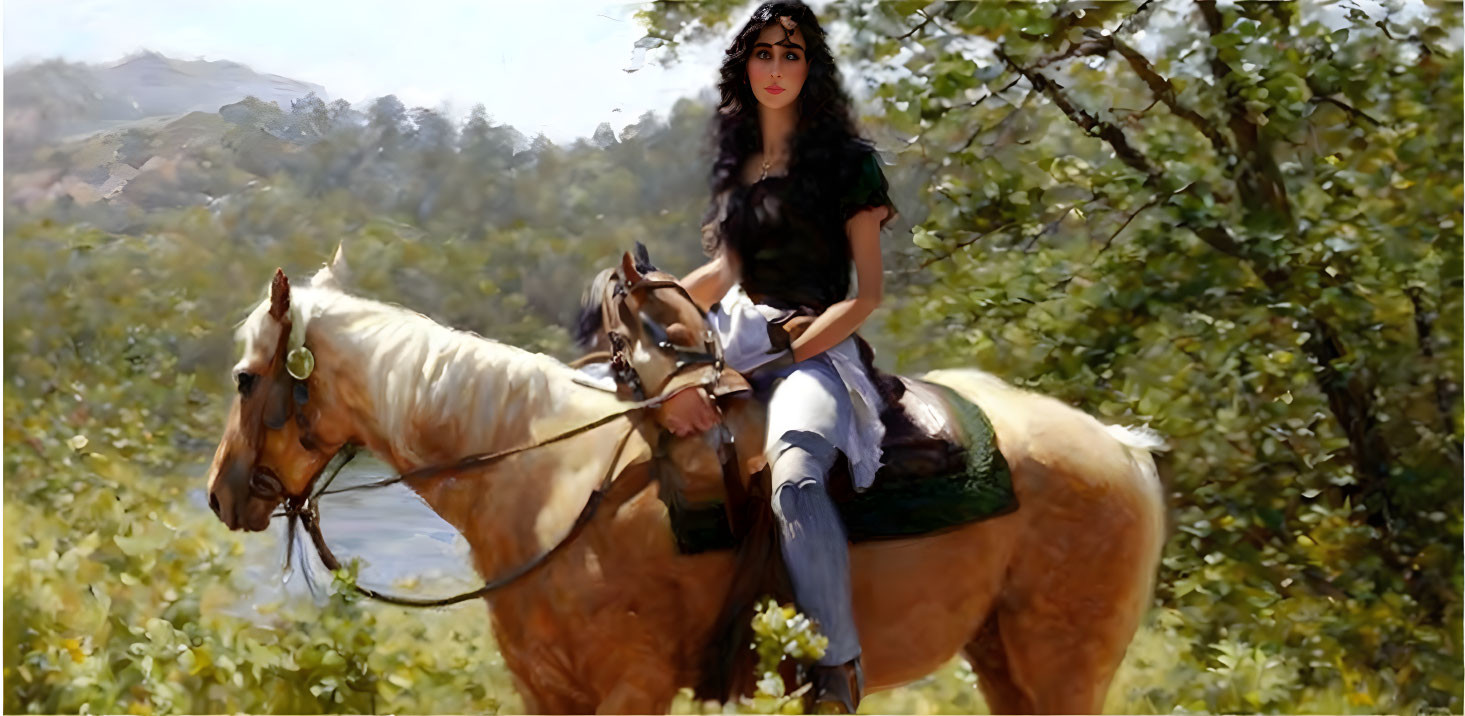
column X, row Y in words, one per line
column 309, row 120
column 604, row 136
column 1241, row 223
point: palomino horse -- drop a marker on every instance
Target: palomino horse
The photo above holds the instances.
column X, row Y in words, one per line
column 1043, row 601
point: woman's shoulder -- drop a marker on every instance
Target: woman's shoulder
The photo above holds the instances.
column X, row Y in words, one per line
column 863, row 181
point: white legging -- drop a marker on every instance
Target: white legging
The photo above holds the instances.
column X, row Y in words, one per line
column 811, row 532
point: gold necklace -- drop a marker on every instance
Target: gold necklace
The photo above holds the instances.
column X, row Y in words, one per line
column 766, row 166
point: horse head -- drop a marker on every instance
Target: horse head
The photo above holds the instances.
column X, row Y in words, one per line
column 272, row 449
column 638, row 311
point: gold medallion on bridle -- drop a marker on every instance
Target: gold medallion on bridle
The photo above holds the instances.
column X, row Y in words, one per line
column 300, row 363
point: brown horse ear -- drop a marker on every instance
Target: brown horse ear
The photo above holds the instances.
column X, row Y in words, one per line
column 279, row 295
column 628, row 268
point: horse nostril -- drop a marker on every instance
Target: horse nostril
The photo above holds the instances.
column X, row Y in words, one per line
column 214, row 503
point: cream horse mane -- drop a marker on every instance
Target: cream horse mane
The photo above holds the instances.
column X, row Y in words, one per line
column 414, row 370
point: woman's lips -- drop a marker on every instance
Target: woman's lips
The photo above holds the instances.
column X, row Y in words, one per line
column 773, row 89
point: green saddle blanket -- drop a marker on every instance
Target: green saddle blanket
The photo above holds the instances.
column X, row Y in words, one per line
column 970, row 483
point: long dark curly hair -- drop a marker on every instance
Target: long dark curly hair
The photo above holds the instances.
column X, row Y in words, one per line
column 824, row 138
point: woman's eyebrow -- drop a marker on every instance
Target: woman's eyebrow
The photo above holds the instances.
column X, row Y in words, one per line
column 791, row 45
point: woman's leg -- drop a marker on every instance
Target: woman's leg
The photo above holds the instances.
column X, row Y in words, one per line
column 814, row 546
column 810, row 406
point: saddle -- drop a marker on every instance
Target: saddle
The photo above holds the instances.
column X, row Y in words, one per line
column 940, row 469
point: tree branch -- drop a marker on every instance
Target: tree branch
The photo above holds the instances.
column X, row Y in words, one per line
column 1104, row 130
column 941, row 112
column 929, row 19
column 1005, row 119
column 1414, row 38
column 1151, row 204
column 1350, row 109
column 1214, row 235
column 1446, row 391
column 965, row 244
column 1164, row 91
column 1080, row 49
column 1138, row 14
column 1258, row 177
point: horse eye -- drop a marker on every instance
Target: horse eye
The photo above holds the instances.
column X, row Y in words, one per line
column 246, row 383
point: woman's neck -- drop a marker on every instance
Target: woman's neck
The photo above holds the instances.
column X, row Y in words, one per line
column 777, row 128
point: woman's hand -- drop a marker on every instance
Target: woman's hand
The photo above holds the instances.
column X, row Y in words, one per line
column 688, row 412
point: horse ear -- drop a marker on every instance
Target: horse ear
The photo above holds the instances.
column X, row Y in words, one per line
column 643, row 259
column 279, row 295
column 628, row 268
column 334, row 272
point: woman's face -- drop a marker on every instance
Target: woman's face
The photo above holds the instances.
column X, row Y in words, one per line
column 777, row 66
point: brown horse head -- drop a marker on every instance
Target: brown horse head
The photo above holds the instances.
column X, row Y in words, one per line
column 267, row 453
column 653, row 318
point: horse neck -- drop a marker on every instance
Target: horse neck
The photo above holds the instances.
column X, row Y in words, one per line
column 418, row 394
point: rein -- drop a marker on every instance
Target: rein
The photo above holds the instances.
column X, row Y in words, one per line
column 306, row 509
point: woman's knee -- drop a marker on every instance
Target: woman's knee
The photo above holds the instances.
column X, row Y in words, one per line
column 801, row 464
column 800, row 456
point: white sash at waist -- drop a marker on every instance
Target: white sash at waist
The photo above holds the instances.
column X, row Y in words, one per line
column 742, row 326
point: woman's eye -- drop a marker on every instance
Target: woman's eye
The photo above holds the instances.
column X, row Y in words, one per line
column 791, row 57
column 763, row 55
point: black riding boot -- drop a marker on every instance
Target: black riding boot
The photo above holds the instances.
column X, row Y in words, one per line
column 836, row 689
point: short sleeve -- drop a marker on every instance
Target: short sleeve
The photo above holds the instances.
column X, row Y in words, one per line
column 867, row 189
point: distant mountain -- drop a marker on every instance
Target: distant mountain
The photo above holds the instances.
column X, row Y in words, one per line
column 56, row 99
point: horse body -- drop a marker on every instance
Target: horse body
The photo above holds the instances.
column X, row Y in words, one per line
column 1043, row 601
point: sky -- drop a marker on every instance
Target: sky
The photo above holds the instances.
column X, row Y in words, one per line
column 553, row 67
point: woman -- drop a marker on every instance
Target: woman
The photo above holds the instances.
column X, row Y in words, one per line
column 797, row 198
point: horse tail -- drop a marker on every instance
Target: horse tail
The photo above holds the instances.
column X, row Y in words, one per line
column 1140, row 443
column 1142, row 438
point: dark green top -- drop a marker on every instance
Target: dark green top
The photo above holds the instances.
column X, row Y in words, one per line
column 790, row 235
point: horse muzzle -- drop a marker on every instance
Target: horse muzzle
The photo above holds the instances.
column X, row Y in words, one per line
column 245, row 499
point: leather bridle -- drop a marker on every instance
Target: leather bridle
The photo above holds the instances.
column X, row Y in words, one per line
column 617, row 315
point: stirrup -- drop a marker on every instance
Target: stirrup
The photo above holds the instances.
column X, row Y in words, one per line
column 836, row 689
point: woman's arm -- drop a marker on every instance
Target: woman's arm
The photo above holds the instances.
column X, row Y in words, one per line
column 709, row 282
column 842, row 319
column 691, row 411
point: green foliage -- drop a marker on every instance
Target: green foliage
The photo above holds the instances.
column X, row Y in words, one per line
column 781, row 632
column 1246, row 233
column 123, row 593
column 1241, row 225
